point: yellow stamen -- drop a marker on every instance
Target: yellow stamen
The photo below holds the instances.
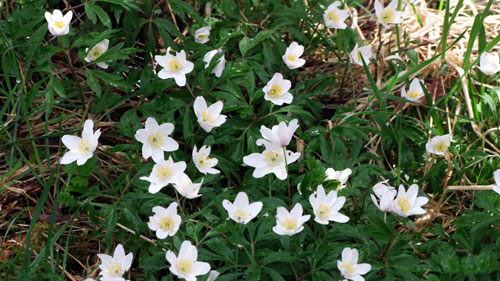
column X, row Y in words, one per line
column 275, row 91
column 206, row 117
column 167, row 223
column 202, row 36
column 359, row 56
column 96, row 52
column 59, row 24
column 349, row 266
column 292, row 58
column 164, row 173
column 115, row 269
column 184, row 266
column 203, row 160
column 333, row 16
column 404, row 204
column 240, row 215
column 290, row 224
column 84, row 146
column 174, row 65
column 156, row 140
column 440, row 147
column 387, row 16
column 273, row 158
column 413, row 95
column 323, row 212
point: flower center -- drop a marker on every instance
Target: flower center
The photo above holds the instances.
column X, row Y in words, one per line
column 359, row 56
column 273, row 158
column 115, row 269
column 84, row 146
column 404, row 204
column 164, row 173
column 184, row 266
column 59, row 23
column 413, row 95
column 333, row 16
column 387, row 16
column 292, row 58
column 240, row 215
column 323, row 212
column 290, row 224
column 440, row 147
column 206, row 117
column 349, row 266
column 156, row 140
column 174, row 65
column 167, row 223
column 203, row 160
column 96, row 52
column 275, row 91
column 202, row 36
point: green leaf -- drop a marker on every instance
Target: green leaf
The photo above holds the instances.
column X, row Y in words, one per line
column 93, row 83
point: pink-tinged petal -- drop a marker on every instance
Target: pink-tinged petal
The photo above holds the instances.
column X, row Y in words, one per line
column 200, row 268
column 171, row 258
column 241, row 200
column 412, row 192
column 187, row 67
column 147, row 150
column 142, row 135
column 165, row 129
column 88, row 130
column 255, row 160
column 282, row 213
column 338, row 217
column 280, row 172
column 378, row 7
column 200, row 106
column 297, row 211
column 357, row 278
column 420, row 201
column 180, row 79
column 227, row 205
column 286, row 98
column 254, row 209
column 215, row 109
column 339, row 203
column 205, row 126
column 375, row 201
column 259, row 172
column 164, row 74
column 169, row 144
column 347, row 255
column 154, row 188
column 151, row 125
column 363, row 268
column 48, row 17
column 67, row 18
column 71, row 142
column 69, row 157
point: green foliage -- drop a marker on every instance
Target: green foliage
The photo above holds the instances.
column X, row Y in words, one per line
column 48, row 90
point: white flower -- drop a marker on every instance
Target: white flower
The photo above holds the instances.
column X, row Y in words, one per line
column 213, row 275
column 210, row 117
column 281, row 134
column 439, row 144
column 96, row 52
column 326, row 207
column 276, row 90
column 341, row 176
column 220, row 65
column 496, row 174
column 334, row 17
column 186, row 187
column 204, row 163
column 155, row 139
column 388, row 15
column 113, row 267
column 290, row 223
column 241, row 211
column 385, row 194
column 407, row 203
column 58, row 25
column 81, row 149
column 357, row 53
column 381, row 187
column 488, row 63
column 201, row 34
column 165, row 222
column 185, row 265
column 349, row 267
column 292, row 56
column 271, row 160
column 174, row 67
column 415, row 93
column 164, row 172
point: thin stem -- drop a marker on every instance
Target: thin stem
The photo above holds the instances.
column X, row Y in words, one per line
column 68, row 57
column 287, row 175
